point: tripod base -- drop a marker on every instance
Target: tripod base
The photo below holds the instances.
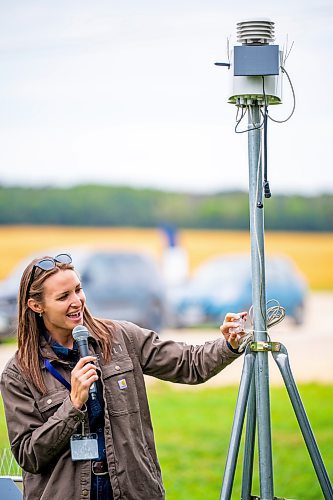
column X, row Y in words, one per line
column 275, row 498
column 246, row 398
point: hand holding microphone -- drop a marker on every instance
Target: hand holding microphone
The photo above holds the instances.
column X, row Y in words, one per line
column 84, row 375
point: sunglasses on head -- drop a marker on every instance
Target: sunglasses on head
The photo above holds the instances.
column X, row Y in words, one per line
column 47, row 264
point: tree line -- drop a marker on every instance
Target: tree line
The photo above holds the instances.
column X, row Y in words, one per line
column 102, row 205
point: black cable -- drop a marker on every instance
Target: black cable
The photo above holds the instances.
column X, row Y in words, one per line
column 259, row 127
column 267, row 191
column 238, row 108
column 294, row 98
column 240, row 119
column 248, row 129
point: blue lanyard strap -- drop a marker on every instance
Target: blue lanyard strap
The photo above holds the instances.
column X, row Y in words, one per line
column 48, row 365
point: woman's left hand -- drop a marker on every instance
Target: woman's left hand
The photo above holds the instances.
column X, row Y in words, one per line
column 231, row 320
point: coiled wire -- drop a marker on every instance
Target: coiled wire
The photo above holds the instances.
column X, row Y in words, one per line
column 274, row 315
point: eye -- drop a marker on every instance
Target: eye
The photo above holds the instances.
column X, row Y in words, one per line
column 63, row 297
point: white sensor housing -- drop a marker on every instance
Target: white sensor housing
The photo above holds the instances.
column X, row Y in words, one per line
column 253, row 78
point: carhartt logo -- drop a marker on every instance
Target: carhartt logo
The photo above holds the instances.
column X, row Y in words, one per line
column 122, row 383
column 117, row 349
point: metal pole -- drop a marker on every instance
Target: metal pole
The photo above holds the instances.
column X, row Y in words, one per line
column 259, row 304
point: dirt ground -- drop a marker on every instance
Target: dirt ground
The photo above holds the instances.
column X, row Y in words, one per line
column 310, row 346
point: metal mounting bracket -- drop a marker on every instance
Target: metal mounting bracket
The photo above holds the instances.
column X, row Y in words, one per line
column 265, row 346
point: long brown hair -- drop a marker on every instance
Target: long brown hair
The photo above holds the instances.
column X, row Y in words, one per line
column 31, row 326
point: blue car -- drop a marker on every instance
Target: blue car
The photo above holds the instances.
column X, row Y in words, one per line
column 223, row 284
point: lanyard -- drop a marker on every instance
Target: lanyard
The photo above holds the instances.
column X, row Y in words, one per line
column 48, row 365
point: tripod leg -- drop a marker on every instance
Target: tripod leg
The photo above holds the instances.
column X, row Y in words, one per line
column 281, row 359
column 237, row 425
column 249, row 444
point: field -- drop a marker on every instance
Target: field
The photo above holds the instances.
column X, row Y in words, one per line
column 312, row 252
column 192, row 436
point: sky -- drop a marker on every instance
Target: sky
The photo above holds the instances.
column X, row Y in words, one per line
column 126, row 93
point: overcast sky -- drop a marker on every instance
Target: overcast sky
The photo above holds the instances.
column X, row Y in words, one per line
column 126, row 92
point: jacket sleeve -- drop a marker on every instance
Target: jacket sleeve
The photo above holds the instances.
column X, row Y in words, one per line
column 177, row 361
column 35, row 442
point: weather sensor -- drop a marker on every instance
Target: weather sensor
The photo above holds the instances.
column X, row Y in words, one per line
column 256, row 65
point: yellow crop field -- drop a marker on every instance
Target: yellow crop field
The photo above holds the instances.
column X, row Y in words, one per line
column 312, row 252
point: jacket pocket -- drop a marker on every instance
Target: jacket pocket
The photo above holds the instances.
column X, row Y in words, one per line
column 48, row 404
column 120, row 387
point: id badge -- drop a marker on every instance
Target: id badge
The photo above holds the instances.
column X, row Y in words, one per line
column 84, row 447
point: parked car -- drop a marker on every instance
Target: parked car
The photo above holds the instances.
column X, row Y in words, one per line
column 123, row 285
column 223, row 284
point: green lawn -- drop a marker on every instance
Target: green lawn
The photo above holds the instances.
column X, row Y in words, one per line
column 3, row 429
column 192, row 430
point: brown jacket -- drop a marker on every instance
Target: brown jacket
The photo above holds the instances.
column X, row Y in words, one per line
column 40, row 427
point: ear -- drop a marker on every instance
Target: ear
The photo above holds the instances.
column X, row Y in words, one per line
column 34, row 305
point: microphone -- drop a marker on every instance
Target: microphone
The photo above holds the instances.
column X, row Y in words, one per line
column 80, row 334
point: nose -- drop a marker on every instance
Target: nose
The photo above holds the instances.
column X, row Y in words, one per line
column 76, row 302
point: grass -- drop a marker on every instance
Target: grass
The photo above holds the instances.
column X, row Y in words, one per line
column 3, row 429
column 312, row 252
column 12, row 340
column 192, row 430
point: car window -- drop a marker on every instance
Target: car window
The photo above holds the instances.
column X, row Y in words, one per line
column 117, row 270
column 218, row 272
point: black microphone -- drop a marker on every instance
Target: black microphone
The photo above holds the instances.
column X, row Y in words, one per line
column 80, row 335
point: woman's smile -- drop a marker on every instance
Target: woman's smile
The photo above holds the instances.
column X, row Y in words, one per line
column 75, row 316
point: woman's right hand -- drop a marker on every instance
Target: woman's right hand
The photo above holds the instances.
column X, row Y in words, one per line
column 83, row 375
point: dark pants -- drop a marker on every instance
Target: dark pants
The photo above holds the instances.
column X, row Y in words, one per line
column 101, row 488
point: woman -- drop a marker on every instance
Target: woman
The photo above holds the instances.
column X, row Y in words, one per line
column 73, row 446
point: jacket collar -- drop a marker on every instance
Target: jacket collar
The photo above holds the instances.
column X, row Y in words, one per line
column 47, row 352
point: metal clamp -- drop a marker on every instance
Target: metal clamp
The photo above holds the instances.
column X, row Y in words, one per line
column 265, row 346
